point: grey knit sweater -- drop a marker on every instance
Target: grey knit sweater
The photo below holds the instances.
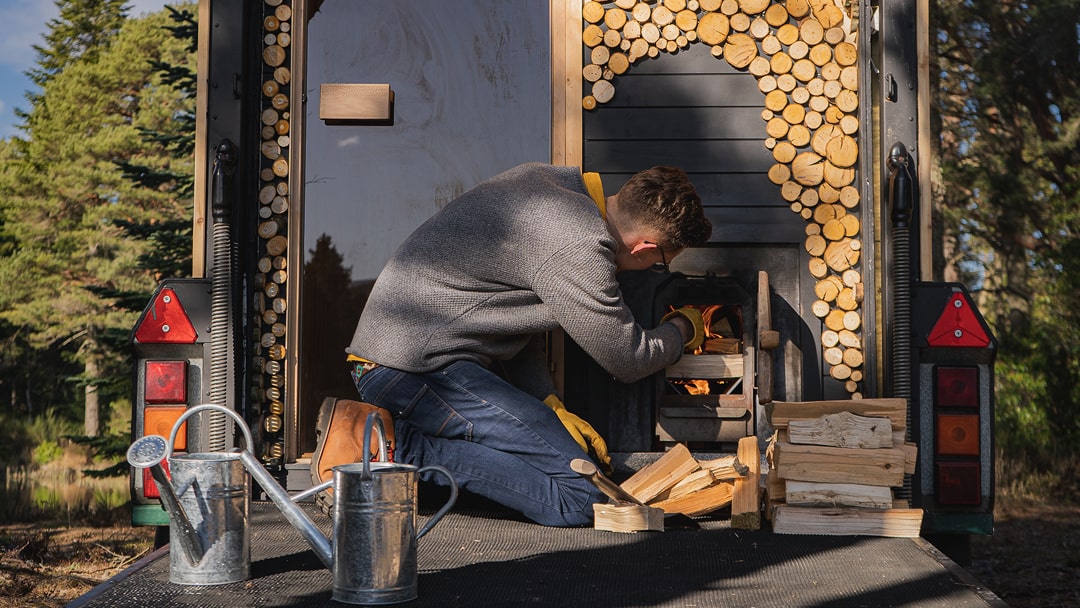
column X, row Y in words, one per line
column 523, row 253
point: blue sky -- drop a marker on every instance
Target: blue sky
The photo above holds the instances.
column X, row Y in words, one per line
column 24, row 25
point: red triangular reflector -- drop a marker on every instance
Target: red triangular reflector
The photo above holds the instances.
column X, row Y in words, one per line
column 165, row 321
column 958, row 325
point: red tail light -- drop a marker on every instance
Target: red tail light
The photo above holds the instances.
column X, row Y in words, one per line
column 958, row 483
column 956, row 387
column 166, row 382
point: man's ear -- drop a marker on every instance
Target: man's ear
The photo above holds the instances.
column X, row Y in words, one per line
column 642, row 246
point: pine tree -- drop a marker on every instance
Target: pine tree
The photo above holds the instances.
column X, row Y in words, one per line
column 81, row 30
column 70, row 202
column 1009, row 148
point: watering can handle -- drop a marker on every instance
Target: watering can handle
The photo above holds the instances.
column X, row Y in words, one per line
column 248, row 443
column 434, row 519
column 374, row 421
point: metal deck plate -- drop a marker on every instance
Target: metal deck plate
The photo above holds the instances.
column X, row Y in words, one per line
column 482, row 555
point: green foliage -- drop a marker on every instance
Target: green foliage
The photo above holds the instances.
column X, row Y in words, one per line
column 1008, row 102
column 47, row 451
column 76, row 272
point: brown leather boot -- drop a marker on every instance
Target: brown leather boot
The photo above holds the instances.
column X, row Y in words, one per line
column 339, row 431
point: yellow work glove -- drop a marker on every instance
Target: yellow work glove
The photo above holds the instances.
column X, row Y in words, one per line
column 582, row 432
column 694, row 316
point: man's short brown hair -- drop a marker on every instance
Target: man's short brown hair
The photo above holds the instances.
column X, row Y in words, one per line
column 663, row 198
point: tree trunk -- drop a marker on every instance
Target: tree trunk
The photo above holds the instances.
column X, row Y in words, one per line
column 92, row 419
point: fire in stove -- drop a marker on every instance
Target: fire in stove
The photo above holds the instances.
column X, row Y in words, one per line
column 723, row 338
column 707, row 396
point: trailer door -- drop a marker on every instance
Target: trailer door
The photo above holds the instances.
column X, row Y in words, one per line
column 471, row 98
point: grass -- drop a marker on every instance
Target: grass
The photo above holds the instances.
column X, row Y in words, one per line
column 1051, row 478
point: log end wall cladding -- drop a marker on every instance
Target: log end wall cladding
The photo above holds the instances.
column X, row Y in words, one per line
column 270, row 304
column 803, row 118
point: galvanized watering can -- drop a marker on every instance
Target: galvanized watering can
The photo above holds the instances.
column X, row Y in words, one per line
column 207, row 501
column 373, row 556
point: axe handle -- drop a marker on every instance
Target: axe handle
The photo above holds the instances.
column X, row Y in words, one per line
column 589, row 471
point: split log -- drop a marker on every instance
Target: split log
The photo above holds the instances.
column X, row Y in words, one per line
column 661, row 475
column 828, row 194
column 707, row 366
column 828, row 288
column 746, row 498
column 902, row 523
column 876, row 467
column 625, row 517
column 842, row 430
column 812, row 494
column 911, row 456
column 701, row 502
column 781, row 413
column 698, row 480
column 724, row 468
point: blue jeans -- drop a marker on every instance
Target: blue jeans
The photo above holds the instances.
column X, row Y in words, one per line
column 496, row 440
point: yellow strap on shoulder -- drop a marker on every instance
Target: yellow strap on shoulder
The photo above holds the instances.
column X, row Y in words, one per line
column 596, row 190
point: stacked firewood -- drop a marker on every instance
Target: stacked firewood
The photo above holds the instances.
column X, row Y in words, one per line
column 833, row 466
column 271, row 279
column 678, row 483
column 804, row 56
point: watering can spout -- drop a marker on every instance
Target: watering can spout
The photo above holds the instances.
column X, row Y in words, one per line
column 148, row 453
column 292, row 512
column 286, row 503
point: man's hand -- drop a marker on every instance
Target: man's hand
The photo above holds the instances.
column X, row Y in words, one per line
column 582, row 432
column 697, row 325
